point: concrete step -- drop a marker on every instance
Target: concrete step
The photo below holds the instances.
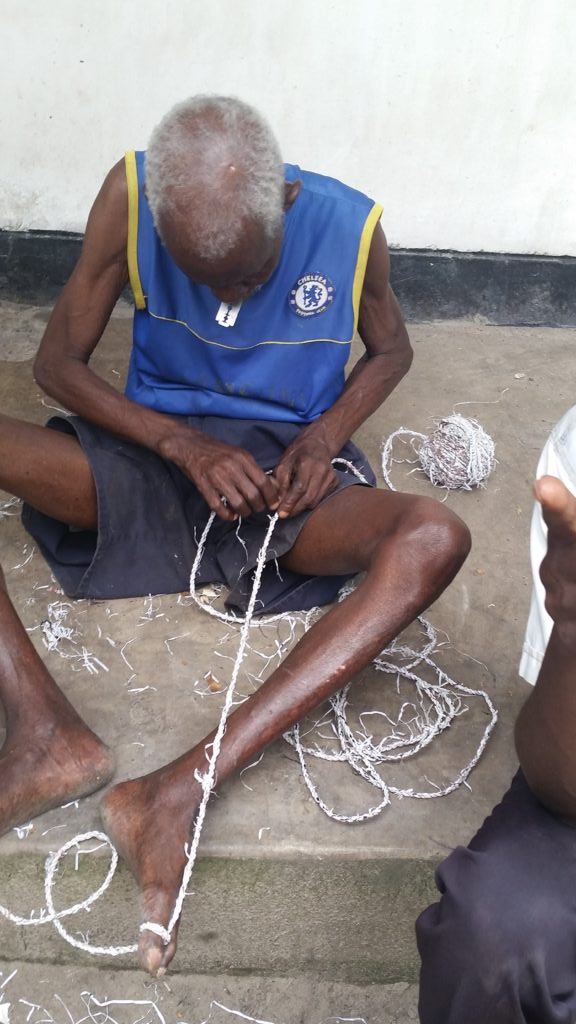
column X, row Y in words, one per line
column 279, row 888
column 39, row 993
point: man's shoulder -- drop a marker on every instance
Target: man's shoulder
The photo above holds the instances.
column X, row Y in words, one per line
column 327, row 188
column 115, row 188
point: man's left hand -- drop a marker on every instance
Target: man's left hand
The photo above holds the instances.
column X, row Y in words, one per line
column 305, row 475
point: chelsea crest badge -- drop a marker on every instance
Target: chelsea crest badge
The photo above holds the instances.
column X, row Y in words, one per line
column 311, row 295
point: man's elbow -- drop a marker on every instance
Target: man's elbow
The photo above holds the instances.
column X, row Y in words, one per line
column 405, row 355
column 48, row 373
column 550, row 777
column 407, row 358
column 42, row 372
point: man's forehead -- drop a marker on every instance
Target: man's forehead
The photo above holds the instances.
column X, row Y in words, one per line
column 246, row 256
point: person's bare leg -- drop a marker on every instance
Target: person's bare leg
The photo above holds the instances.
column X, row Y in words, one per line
column 49, row 756
column 49, row 470
column 410, row 548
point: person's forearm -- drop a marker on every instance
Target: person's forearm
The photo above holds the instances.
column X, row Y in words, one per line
column 83, row 392
column 368, row 386
column 546, row 727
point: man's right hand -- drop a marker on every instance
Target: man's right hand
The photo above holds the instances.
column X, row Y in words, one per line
column 221, row 471
column 545, row 727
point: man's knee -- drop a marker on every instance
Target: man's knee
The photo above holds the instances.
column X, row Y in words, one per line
column 439, row 533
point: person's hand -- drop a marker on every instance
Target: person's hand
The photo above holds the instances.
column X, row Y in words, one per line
column 221, row 471
column 304, row 474
column 558, row 569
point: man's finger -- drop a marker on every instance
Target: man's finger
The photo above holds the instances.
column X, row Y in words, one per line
column 558, row 507
column 316, row 490
column 253, row 497
column 265, row 482
column 236, row 501
column 283, row 476
column 297, row 492
column 215, row 503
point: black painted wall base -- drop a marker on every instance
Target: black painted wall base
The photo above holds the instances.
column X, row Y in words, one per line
column 430, row 284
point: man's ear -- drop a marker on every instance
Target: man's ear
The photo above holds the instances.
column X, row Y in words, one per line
column 291, row 193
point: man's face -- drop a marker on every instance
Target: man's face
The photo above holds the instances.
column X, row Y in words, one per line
column 239, row 274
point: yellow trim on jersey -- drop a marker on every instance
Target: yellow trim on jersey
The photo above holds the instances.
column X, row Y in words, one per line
column 363, row 250
column 242, row 348
column 132, row 247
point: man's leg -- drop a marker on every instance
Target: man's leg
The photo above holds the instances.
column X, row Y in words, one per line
column 500, row 946
column 410, row 549
column 49, row 470
column 49, row 755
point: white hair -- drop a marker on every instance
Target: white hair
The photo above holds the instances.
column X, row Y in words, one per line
column 190, row 155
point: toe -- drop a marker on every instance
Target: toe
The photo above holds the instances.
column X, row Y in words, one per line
column 155, row 957
column 155, row 954
column 151, row 953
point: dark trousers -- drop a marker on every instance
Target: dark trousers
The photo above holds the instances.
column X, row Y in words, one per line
column 500, row 946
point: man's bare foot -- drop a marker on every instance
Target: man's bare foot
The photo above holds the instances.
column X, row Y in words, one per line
column 49, row 756
column 48, row 767
column 149, row 821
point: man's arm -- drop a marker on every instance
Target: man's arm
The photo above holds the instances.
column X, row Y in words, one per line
column 546, row 725
column 80, row 316
column 305, row 473
column 73, row 332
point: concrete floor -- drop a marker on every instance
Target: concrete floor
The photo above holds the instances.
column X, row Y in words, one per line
column 281, row 889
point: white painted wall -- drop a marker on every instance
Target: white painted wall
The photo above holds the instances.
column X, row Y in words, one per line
column 458, row 115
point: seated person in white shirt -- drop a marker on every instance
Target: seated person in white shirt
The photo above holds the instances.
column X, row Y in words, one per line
column 500, row 946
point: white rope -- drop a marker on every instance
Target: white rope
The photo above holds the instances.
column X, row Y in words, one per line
column 49, row 915
column 208, row 779
column 362, row 755
column 239, row 620
column 387, row 458
column 457, row 454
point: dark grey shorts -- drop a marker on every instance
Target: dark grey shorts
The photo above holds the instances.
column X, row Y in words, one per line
column 150, row 517
column 500, row 946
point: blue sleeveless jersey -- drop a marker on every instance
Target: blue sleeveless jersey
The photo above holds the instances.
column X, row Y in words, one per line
column 284, row 356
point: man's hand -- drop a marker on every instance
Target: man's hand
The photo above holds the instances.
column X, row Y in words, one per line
column 221, row 471
column 545, row 728
column 304, row 474
column 558, row 569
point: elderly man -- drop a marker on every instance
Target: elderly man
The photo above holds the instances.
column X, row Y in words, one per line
column 249, row 279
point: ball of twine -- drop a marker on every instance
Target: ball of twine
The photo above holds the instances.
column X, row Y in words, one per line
column 458, row 454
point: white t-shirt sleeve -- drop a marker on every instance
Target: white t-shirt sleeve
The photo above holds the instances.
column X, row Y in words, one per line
column 558, row 459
